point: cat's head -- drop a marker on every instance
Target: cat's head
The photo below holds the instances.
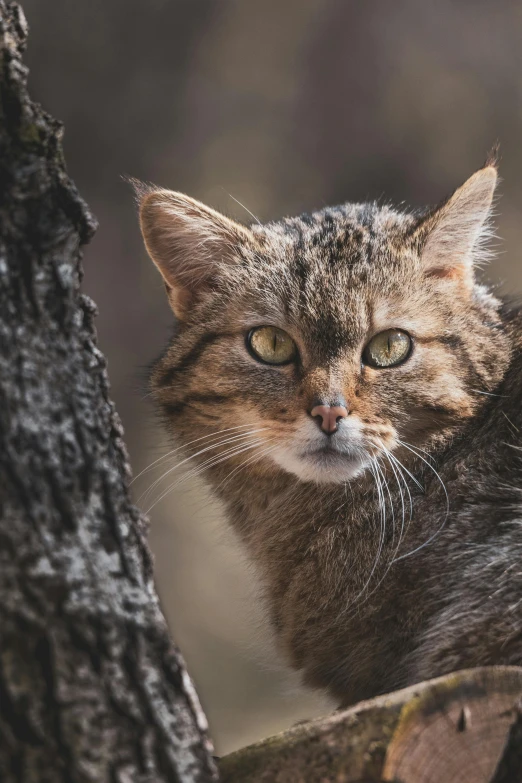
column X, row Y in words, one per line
column 317, row 343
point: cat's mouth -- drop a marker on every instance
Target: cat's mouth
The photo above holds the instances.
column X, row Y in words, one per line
column 331, row 464
column 330, row 454
column 327, row 449
column 327, row 463
column 325, row 459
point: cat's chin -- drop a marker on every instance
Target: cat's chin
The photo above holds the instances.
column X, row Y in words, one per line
column 322, row 466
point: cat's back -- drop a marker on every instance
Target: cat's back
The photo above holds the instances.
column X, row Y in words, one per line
column 483, row 469
column 500, row 423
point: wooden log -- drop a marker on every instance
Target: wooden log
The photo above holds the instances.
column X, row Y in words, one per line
column 465, row 727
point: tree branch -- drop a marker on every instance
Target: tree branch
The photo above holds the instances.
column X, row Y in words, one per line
column 465, row 726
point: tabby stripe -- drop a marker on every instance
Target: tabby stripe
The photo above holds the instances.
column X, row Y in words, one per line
column 175, row 408
column 474, row 375
column 452, row 340
column 301, row 269
column 190, row 358
column 440, row 409
column 457, row 344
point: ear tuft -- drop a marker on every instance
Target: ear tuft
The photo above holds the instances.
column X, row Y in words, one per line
column 493, row 157
column 141, row 189
column 189, row 242
column 456, row 233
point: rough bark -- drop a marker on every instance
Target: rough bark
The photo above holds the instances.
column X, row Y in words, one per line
column 91, row 688
column 463, row 727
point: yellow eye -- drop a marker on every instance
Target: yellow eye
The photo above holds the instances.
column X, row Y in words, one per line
column 271, row 345
column 387, row 349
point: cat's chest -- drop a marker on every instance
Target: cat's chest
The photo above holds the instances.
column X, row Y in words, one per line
column 348, row 553
column 337, row 533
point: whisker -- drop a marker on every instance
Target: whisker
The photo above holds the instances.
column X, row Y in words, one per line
column 212, row 462
column 216, row 460
column 437, row 532
column 392, row 560
column 488, row 394
column 254, row 458
column 396, row 466
column 186, row 445
column 387, row 487
column 382, row 518
column 188, row 460
column 387, row 455
column 509, row 420
column 219, row 443
column 430, row 456
column 397, row 460
column 245, row 208
column 399, row 465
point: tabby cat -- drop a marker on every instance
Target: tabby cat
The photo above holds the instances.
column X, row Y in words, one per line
column 353, row 395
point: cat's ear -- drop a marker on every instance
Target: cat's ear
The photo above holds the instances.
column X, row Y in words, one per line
column 189, row 242
column 455, row 234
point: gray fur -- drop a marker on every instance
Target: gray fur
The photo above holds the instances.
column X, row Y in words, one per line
column 360, row 608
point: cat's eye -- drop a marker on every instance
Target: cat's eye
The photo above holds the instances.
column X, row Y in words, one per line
column 271, row 345
column 387, row 349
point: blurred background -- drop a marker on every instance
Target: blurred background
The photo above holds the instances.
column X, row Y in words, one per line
column 285, row 106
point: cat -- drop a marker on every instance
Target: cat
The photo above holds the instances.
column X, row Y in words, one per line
column 353, row 395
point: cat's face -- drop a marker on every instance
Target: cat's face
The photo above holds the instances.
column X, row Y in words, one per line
column 319, row 344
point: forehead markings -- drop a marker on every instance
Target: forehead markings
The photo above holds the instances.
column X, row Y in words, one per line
column 384, row 318
column 387, row 315
column 451, row 340
column 301, row 267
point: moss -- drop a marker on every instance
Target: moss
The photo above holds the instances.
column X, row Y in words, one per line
column 355, row 745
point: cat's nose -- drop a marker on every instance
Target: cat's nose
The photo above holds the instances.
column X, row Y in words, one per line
column 328, row 416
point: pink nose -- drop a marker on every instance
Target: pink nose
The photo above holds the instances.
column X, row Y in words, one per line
column 329, row 416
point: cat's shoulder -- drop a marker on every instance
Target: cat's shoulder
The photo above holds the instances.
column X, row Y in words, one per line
column 508, row 401
column 511, row 317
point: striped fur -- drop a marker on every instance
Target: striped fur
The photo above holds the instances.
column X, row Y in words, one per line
column 362, row 552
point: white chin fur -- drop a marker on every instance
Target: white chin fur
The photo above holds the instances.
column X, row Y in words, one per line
column 321, row 468
column 304, row 454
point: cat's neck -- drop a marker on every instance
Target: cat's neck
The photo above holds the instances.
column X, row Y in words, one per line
column 268, row 506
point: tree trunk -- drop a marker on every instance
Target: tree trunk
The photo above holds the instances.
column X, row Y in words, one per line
column 91, row 688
